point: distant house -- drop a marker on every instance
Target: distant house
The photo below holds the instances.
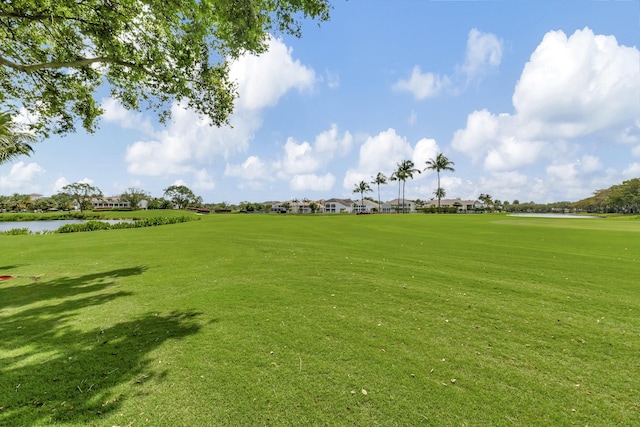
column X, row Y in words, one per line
column 463, row 206
column 367, row 207
column 109, row 203
column 293, row 206
column 301, row 206
column 396, row 205
column 274, row 206
column 338, row 206
column 385, row 207
column 278, row 207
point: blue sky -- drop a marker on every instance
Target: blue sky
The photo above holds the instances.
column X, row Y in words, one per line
column 532, row 100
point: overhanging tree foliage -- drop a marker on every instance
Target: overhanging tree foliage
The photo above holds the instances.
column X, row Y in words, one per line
column 55, row 54
column 13, row 140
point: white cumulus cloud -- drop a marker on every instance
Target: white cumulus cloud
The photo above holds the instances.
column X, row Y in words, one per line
column 422, row 85
column 253, row 168
column 59, row 184
column 20, row 177
column 264, row 79
column 330, row 143
column 302, row 164
column 312, row 182
column 382, row 152
column 114, row 112
column 573, row 90
column 203, row 180
column 332, row 79
column 189, row 143
column 425, row 149
column 299, row 158
column 578, row 85
column 484, row 52
column 632, row 171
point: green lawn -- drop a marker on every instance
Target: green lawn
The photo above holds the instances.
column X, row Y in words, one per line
column 247, row 320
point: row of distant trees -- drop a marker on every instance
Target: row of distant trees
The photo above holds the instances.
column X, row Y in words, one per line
column 620, row 198
column 82, row 195
column 292, row 206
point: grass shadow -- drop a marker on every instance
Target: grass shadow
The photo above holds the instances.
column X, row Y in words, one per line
column 52, row 371
column 24, row 291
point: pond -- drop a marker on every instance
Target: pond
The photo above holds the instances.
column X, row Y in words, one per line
column 551, row 215
column 51, row 225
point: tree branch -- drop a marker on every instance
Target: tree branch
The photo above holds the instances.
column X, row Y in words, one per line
column 80, row 62
column 42, row 17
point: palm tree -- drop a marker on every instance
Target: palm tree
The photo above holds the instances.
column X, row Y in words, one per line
column 13, row 141
column 396, row 177
column 362, row 188
column 486, row 200
column 379, row 179
column 440, row 163
column 439, row 193
column 406, row 169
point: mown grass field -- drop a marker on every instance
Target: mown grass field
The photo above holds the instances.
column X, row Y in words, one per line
column 285, row 320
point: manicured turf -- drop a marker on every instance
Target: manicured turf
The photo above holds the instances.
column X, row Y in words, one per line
column 246, row 320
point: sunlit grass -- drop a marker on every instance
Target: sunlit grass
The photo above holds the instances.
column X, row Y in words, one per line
column 324, row 320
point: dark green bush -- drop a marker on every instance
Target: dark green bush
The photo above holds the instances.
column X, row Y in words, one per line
column 16, row 231
column 100, row 225
column 85, row 226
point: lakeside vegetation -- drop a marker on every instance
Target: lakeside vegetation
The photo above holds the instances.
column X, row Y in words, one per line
column 49, row 216
column 315, row 320
column 92, row 221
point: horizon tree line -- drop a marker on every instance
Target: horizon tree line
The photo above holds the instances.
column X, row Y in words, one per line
column 81, row 195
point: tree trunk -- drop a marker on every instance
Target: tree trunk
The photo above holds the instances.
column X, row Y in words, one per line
column 438, row 190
